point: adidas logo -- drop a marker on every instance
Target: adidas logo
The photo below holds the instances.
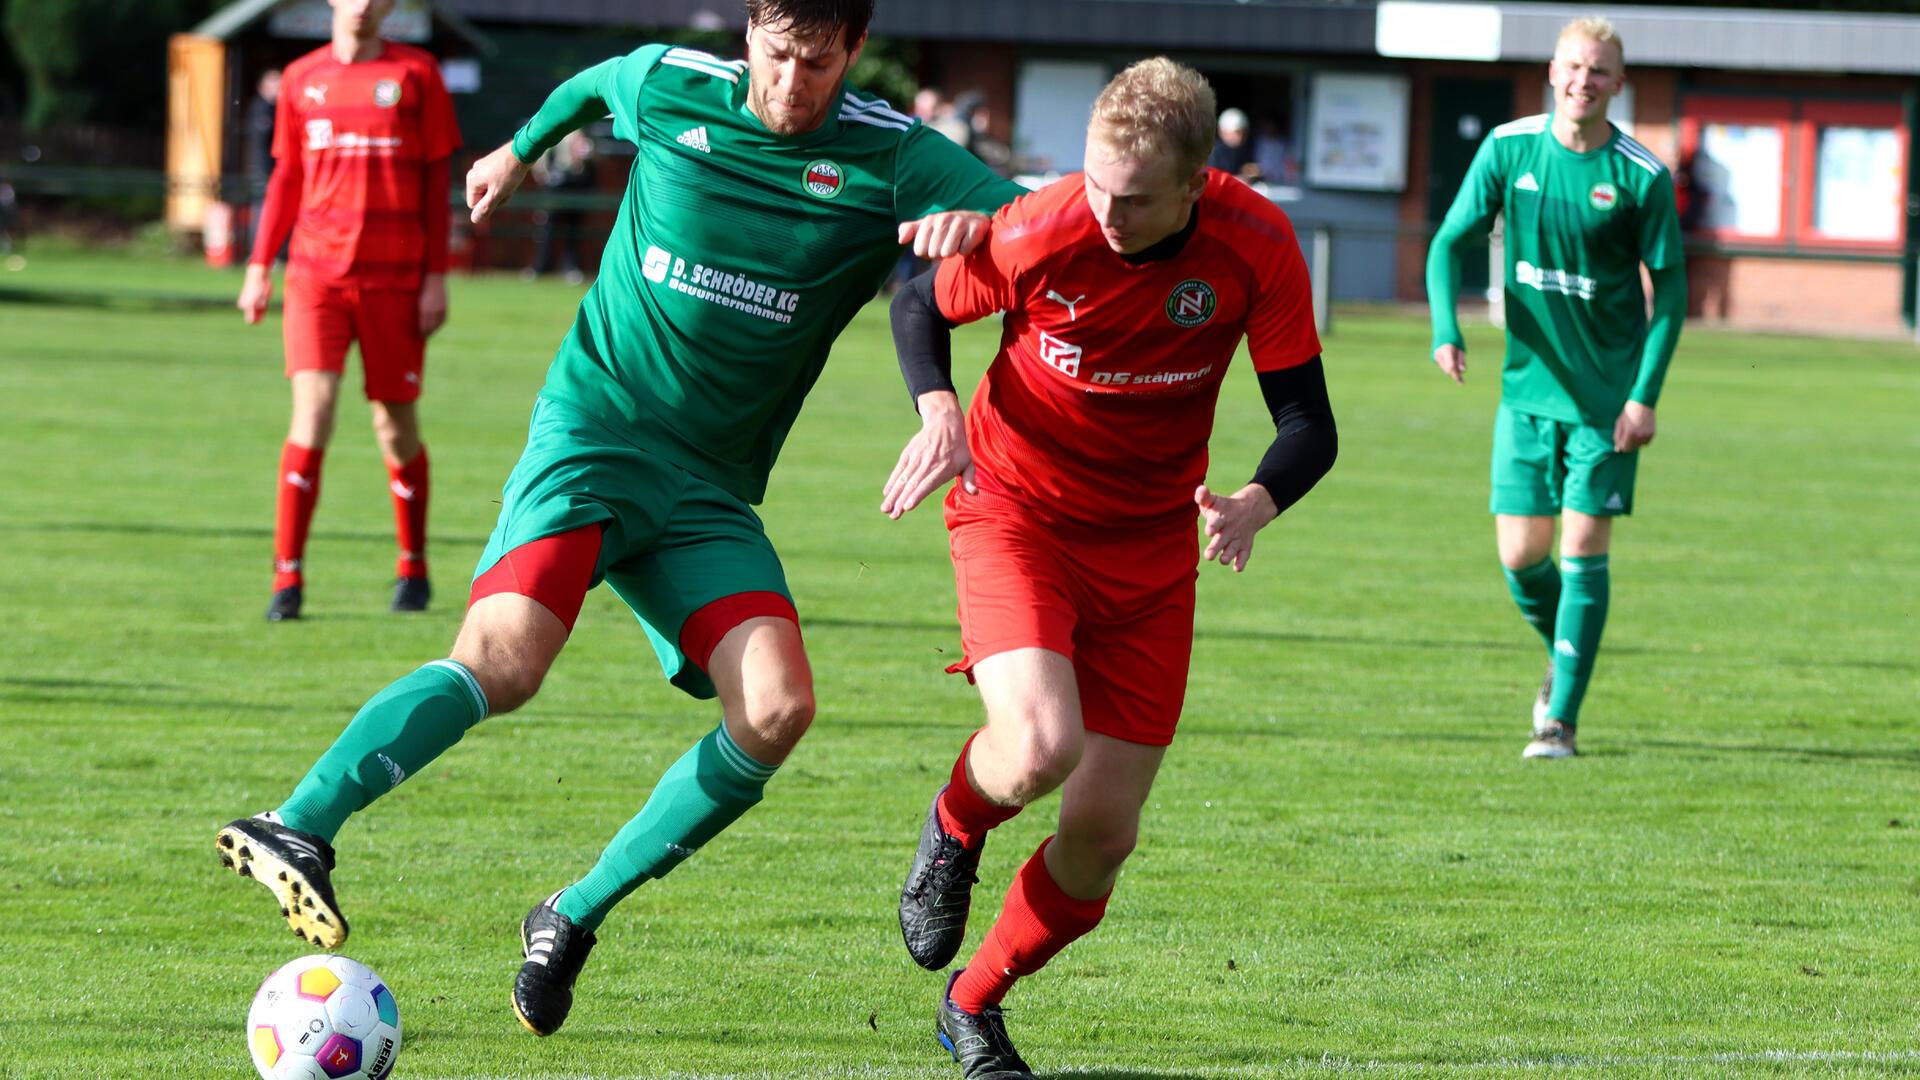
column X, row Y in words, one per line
column 1526, row 183
column 1565, row 648
column 395, row 773
column 1616, row 502
column 696, row 139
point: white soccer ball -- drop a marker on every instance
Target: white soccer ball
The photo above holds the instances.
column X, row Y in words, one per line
column 323, row 1018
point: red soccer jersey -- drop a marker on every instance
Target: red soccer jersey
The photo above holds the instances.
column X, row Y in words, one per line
column 364, row 134
column 1098, row 407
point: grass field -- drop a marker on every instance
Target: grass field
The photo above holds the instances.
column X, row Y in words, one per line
column 1346, row 866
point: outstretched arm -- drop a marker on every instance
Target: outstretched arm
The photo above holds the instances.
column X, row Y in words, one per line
column 1305, row 443
column 923, row 339
column 609, row 88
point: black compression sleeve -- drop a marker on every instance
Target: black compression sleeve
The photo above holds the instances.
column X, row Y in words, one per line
column 922, row 337
column 1305, row 440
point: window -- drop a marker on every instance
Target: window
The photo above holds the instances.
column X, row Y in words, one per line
column 1855, row 166
column 1734, row 152
column 1818, row 173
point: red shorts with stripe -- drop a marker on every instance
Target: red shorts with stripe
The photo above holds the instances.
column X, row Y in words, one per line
column 1120, row 606
column 321, row 320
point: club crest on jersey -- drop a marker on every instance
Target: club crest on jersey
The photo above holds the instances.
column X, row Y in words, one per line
column 1603, row 196
column 824, row 179
column 1192, row 303
column 386, row 93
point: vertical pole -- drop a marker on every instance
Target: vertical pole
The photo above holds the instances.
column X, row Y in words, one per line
column 1322, row 276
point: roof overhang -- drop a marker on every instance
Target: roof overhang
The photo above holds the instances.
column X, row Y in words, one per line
column 1730, row 38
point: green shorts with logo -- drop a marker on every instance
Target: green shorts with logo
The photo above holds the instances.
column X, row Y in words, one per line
column 673, row 544
column 1542, row 466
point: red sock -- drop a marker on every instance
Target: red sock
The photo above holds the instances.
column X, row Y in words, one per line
column 299, row 489
column 409, row 486
column 1036, row 922
column 965, row 814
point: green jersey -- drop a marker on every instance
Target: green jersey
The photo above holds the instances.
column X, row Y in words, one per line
column 738, row 255
column 1578, row 226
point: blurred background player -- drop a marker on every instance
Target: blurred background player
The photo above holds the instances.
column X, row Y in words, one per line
column 1082, row 464
column 567, row 170
column 361, row 139
column 661, row 417
column 1585, row 206
column 256, row 147
column 1232, row 150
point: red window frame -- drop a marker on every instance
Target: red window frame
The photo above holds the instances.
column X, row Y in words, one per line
column 1700, row 110
column 1815, row 115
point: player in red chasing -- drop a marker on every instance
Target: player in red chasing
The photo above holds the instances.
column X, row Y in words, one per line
column 1081, row 466
column 361, row 143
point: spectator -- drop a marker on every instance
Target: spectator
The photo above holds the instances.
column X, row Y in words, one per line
column 1232, row 152
column 256, row 150
column 1272, row 156
column 567, row 171
column 981, row 142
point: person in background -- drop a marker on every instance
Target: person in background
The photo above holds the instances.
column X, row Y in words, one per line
column 1232, row 151
column 567, row 171
column 257, row 148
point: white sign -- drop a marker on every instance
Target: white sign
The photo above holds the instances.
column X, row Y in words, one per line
column 1437, row 31
column 1357, row 135
column 410, row 20
column 1738, row 171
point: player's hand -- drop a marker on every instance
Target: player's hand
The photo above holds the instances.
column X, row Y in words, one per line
column 1231, row 521
column 935, row 455
column 951, row 232
column 255, row 291
column 1634, row 429
column 433, row 303
column 492, row 180
column 1452, row 360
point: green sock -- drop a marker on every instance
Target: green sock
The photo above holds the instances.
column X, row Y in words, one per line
column 698, row 796
column 1536, row 589
column 414, row 720
column 1576, row 633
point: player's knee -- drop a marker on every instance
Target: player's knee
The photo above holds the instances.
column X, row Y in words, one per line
column 1109, row 849
column 780, row 717
column 1044, row 756
column 507, row 686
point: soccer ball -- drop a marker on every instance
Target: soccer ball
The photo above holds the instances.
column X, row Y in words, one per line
column 323, row 1018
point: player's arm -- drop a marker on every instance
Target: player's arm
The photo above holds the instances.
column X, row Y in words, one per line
column 277, row 212
column 923, row 341
column 1661, row 250
column 440, row 137
column 1473, row 210
column 942, row 194
column 608, row 88
column 1305, row 443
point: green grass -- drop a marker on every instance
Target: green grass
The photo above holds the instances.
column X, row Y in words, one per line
column 1345, row 867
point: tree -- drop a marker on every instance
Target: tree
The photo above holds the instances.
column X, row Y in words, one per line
column 95, row 61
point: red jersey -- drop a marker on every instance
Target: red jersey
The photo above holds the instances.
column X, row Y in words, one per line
column 1098, row 407
column 363, row 134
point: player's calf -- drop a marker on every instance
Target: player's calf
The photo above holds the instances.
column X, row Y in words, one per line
column 295, row 867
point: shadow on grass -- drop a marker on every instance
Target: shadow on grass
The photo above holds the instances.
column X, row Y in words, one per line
column 1816, row 753
column 120, row 299
column 214, row 532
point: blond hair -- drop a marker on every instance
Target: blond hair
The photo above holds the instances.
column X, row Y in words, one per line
column 1593, row 28
column 1155, row 109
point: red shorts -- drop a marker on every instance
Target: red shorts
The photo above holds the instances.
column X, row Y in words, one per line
column 321, row 320
column 1119, row 605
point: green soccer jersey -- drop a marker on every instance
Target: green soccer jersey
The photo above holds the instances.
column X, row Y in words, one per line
column 737, row 256
column 1578, row 226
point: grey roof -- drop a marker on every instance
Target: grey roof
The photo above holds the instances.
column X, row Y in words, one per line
column 1329, row 26
column 236, row 17
column 1728, row 37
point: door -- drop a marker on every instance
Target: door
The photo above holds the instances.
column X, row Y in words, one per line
column 1464, row 111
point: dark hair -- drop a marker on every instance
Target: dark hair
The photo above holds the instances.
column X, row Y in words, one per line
column 810, row 17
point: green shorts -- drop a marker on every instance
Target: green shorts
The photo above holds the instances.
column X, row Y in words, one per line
column 673, row 543
column 1542, row 466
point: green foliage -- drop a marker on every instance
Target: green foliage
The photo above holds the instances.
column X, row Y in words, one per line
column 96, row 61
column 888, row 67
column 1345, row 869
